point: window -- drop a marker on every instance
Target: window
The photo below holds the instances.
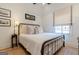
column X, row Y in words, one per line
column 65, row 29
column 57, row 29
column 62, row 29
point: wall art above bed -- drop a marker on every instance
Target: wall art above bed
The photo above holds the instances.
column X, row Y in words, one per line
column 29, row 17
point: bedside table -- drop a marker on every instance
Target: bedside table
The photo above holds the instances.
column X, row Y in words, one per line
column 14, row 42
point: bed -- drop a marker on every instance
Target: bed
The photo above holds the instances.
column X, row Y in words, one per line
column 40, row 43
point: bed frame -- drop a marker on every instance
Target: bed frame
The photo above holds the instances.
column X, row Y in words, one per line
column 49, row 47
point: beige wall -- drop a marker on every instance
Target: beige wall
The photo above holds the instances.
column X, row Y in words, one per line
column 18, row 13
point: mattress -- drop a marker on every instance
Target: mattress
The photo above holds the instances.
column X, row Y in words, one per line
column 33, row 42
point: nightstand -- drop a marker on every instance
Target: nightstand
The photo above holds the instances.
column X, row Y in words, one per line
column 14, row 41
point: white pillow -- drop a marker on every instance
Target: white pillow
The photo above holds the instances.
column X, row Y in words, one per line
column 38, row 30
column 23, row 29
column 30, row 29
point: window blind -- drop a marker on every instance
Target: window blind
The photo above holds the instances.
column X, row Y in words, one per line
column 62, row 16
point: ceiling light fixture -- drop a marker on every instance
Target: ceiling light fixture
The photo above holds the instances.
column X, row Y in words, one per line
column 34, row 3
column 48, row 3
column 42, row 3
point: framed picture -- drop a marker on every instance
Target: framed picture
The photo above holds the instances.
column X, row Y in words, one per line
column 29, row 17
column 32, row 17
column 5, row 22
column 5, row 13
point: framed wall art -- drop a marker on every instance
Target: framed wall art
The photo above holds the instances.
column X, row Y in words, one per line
column 5, row 12
column 5, row 22
column 32, row 17
column 29, row 17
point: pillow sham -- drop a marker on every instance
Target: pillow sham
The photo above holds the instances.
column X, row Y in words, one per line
column 23, row 29
column 30, row 29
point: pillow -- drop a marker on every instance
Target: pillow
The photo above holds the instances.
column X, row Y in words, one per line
column 30, row 29
column 36, row 30
column 27, row 29
column 23, row 29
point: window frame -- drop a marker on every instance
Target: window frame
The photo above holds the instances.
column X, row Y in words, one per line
column 62, row 29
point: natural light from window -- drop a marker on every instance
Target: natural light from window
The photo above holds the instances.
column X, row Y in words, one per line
column 62, row 29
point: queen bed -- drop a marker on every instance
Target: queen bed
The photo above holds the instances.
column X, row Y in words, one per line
column 39, row 43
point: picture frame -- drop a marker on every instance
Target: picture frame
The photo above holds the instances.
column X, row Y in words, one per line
column 5, row 22
column 5, row 13
column 32, row 17
column 29, row 17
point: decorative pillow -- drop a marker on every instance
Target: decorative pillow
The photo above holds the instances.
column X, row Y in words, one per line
column 36, row 30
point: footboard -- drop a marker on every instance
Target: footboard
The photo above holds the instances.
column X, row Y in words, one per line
column 52, row 46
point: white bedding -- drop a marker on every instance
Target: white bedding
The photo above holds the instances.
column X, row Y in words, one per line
column 33, row 42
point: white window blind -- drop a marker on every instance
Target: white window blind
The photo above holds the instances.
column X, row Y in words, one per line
column 63, row 16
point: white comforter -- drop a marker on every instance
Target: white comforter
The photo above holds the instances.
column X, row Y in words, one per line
column 33, row 43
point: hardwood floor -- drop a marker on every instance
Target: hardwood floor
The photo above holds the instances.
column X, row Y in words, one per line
column 14, row 51
column 68, row 51
column 19, row 51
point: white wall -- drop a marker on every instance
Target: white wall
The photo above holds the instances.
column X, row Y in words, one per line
column 47, row 18
column 18, row 13
column 75, row 27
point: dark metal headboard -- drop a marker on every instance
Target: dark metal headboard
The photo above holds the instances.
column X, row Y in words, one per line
column 25, row 24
